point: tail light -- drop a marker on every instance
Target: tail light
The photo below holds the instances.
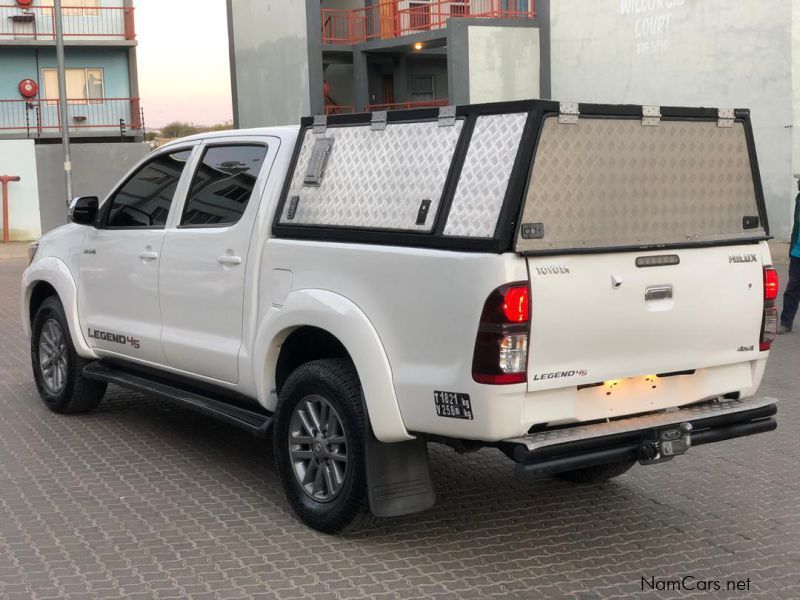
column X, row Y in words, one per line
column 769, row 324
column 501, row 347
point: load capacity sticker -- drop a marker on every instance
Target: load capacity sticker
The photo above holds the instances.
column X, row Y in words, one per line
column 453, row 405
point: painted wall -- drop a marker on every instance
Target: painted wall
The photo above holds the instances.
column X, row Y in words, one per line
column 271, row 61
column 20, row 63
column 17, row 157
column 503, row 63
column 340, row 78
column 687, row 52
column 421, row 65
column 96, row 168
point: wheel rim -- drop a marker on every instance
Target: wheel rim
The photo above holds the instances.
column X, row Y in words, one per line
column 318, row 448
column 53, row 356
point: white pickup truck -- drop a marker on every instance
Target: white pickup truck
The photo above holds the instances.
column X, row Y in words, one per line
column 580, row 286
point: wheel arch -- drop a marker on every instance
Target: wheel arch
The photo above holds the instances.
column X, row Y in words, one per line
column 46, row 277
column 324, row 315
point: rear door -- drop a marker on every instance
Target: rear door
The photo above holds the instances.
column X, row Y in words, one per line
column 599, row 317
column 640, row 242
column 204, row 257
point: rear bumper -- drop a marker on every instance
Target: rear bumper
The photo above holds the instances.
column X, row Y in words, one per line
column 581, row 446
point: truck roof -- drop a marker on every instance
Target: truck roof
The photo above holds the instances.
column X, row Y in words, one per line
column 256, row 131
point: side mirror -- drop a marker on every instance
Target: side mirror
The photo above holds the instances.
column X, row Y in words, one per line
column 83, row 210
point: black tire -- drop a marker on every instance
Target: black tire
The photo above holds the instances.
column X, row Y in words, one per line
column 597, row 474
column 75, row 394
column 335, row 381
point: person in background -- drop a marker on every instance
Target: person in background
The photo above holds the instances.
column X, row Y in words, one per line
column 791, row 298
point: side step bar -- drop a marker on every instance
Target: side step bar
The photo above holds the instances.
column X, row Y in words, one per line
column 581, row 446
column 254, row 419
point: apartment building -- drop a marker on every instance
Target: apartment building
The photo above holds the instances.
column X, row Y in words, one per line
column 104, row 114
column 300, row 57
column 101, row 73
column 336, row 56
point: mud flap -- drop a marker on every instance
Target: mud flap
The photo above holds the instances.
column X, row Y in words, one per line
column 398, row 477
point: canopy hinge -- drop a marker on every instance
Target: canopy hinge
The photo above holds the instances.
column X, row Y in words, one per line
column 651, row 116
column 320, row 123
column 725, row 117
column 447, row 116
column 568, row 112
column 378, row 122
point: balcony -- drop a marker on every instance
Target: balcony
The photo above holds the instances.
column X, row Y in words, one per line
column 396, row 18
column 81, row 23
column 86, row 117
column 406, row 105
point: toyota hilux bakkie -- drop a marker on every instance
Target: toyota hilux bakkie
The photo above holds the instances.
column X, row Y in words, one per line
column 583, row 287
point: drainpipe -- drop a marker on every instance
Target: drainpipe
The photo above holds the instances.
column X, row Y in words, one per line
column 5, row 180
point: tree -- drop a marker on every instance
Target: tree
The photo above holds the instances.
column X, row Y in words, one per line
column 178, row 129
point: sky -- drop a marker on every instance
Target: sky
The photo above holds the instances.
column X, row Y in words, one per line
column 184, row 73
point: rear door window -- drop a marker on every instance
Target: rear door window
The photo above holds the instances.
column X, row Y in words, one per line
column 222, row 185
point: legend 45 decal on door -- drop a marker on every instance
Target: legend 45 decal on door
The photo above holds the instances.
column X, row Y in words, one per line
column 453, row 404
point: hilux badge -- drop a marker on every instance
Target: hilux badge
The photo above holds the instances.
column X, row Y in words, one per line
column 742, row 258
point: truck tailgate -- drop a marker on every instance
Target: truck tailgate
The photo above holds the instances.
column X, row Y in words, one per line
column 600, row 317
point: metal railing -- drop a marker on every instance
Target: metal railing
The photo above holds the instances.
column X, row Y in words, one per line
column 80, row 22
column 35, row 117
column 395, row 18
column 404, row 105
column 338, row 109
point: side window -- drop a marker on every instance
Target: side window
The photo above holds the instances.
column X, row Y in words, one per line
column 222, row 185
column 144, row 200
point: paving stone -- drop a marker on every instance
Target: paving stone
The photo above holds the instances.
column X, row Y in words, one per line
column 141, row 500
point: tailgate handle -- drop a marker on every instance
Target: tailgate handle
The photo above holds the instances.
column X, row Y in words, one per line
column 659, row 292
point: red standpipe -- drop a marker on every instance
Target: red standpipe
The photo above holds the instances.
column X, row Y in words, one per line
column 5, row 180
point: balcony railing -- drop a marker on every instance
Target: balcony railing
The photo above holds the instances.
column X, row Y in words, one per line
column 404, row 105
column 32, row 118
column 395, row 18
column 338, row 109
column 80, row 22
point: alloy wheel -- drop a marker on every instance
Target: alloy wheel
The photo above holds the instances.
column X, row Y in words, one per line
column 318, row 448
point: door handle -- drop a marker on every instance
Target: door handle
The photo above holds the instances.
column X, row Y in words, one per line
column 148, row 255
column 661, row 292
column 226, row 259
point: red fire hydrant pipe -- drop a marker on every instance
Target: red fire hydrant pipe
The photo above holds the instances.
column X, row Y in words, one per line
column 5, row 180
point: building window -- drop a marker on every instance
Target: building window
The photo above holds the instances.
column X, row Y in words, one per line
column 422, row 88
column 74, row 7
column 84, row 86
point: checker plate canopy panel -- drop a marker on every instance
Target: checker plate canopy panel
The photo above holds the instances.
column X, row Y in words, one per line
column 614, row 183
column 375, row 179
column 485, row 175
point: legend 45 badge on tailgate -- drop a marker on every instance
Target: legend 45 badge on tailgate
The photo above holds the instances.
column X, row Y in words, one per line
column 453, row 405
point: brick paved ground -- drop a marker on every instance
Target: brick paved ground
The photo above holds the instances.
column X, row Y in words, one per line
column 137, row 500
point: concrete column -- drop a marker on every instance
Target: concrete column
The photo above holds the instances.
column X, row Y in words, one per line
column 360, row 80
column 401, row 79
column 232, row 59
column 458, row 61
column 315, row 74
column 543, row 21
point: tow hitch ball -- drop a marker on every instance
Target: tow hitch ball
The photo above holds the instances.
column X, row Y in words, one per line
column 661, row 445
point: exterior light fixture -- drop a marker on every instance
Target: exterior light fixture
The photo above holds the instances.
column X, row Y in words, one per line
column 418, row 46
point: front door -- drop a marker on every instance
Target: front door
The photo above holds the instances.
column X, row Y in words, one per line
column 204, row 259
column 118, row 291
